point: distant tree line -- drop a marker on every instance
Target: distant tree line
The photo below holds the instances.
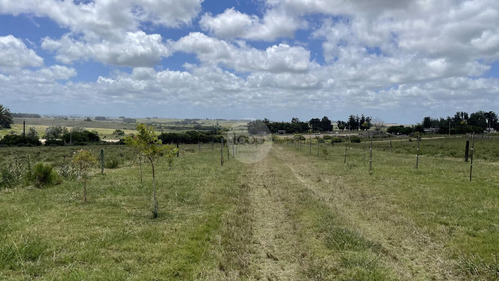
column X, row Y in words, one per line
column 295, row 126
column 405, row 130
column 463, row 123
column 355, row 123
column 189, row 137
column 26, row 115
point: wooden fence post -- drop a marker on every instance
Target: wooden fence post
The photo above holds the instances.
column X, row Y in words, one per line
column 310, row 145
column 345, row 152
column 221, row 152
column 102, row 161
column 467, row 151
column 418, row 148
column 227, row 145
column 471, row 157
column 371, row 150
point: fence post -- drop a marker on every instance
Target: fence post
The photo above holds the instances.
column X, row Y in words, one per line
column 467, row 151
column 345, row 151
column 418, row 148
column 471, row 157
column 371, row 150
column 310, row 145
column 102, row 161
column 221, row 152
column 178, row 150
column 364, row 152
column 318, row 146
column 227, row 145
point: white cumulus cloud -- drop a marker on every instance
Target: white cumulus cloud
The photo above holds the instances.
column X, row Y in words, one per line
column 14, row 55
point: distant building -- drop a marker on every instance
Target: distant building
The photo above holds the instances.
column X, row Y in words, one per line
column 431, row 130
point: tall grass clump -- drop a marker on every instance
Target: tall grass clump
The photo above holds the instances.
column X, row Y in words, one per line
column 43, row 175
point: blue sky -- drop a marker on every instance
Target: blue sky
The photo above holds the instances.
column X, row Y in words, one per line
column 397, row 61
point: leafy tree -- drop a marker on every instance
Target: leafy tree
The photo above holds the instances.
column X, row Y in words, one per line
column 427, row 122
column 147, row 143
column 341, row 125
column 365, row 122
column 315, row 124
column 55, row 132
column 352, row 122
column 5, row 118
column 492, row 119
column 32, row 133
column 478, row 119
column 83, row 160
column 326, row 124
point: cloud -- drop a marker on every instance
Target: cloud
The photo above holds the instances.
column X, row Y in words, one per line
column 14, row 55
column 242, row 58
column 108, row 31
column 103, row 17
column 234, row 24
column 134, row 49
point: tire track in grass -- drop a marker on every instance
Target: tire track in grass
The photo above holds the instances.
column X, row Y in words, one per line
column 275, row 242
column 409, row 251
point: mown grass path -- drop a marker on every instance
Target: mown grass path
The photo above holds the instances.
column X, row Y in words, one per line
column 290, row 216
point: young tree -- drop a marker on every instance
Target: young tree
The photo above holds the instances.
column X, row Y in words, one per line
column 341, row 125
column 147, row 143
column 5, row 118
column 84, row 161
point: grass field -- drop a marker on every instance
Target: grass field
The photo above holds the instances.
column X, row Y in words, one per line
column 292, row 216
column 106, row 128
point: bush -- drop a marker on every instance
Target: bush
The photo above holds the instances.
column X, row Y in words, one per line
column 7, row 178
column 81, row 138
column 43, row 175
column 355, row 139
column 337, row 140
column 54, row 142
column 299, row 137
column 18, row 140
column 119, row 132
column 111, row 164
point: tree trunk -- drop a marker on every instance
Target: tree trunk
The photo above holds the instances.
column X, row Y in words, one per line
column 155, row 201
column 140, row 165
column 85, row 190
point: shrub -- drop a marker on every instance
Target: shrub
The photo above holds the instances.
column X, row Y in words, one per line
column 67, row 171
column 111, row 163
column 18, row 140
column 337, row 140
column 299, row 137
column 43, row 175
column 119, row 132
column 355, row 139
column 54, row 142
column 7, row 178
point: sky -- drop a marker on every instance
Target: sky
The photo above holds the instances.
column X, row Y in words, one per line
column 396, row 61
